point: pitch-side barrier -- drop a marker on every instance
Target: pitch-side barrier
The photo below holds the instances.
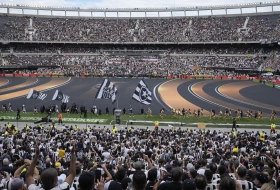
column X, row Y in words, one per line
column 131, row 122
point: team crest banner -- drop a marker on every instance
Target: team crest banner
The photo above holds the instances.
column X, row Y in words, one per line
column 142, row 93
column 33, row 94
column 107, row 90
column 60, row 96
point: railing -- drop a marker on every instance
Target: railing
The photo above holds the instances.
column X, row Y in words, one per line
column 128, row 43
column 259, row 7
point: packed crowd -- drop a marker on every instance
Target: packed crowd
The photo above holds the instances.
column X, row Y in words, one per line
column 69, row 157
column 138, row 65
column 140, row 60
column 196, row 29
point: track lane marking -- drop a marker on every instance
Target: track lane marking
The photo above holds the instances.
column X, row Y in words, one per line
column 169, row 95
column 197, row 89
column 155, row 90
column 232, row 91
column 4, row 82
column 190, row 89
column 28, row 82
column 54, row 83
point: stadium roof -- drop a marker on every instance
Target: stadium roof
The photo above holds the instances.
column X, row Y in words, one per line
column 260, row 7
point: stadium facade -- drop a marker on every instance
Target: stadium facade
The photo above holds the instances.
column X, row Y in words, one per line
column 234, row 9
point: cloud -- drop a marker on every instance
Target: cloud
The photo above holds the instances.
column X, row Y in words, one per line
column 124, row 3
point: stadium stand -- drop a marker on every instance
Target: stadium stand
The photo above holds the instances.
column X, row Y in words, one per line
column 138, row 60
column 130, row 46
column 196, row 29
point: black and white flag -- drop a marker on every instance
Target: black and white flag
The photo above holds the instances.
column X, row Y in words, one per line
column 58, row 95
column 107, row 90
column 33, row 94
column 142, row 93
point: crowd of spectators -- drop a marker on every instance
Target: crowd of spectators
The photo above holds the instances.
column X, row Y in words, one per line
column 139, row 60
column 196, row 29
column 139, row 65
column 69, row 157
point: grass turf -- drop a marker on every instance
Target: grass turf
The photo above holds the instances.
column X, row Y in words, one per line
column 109, row 119
column 267, row 83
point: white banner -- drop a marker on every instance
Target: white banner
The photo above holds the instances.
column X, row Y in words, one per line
column 114, row 61
column 150, row 60
column 80, row 120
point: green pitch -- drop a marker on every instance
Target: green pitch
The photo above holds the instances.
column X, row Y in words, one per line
column 148, row 121
column 267, row 83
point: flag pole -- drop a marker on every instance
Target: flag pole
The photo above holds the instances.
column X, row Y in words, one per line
column 140, row 106
column 130, row 102
column 130, row 107
column 97, row 111
column 24, row 103
column 94, row 99
column 116, row 94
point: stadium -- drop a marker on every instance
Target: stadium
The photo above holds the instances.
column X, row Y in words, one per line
column 206, row 61
column 182, row 98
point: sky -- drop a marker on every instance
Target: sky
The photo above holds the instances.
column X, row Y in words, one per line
column 125, row 3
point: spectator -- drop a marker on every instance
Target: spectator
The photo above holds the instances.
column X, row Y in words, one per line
column 227, row 183
column 152, row 178
column 17, row 184
column 213, row 168
column 139, row 180
column 200, row 182
column 126, row 184
column 168, row 175
column 61, row 152
column 192, row 174
column 268, row 186
column 269, row 173
column 189, row 185
column 86, row 181
column 241, row 176
column 49, row 176
column 117, row 183
column 260, row 179
column 6, row 167
column 176, row 184
column 202, row 168
column 209, row 176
